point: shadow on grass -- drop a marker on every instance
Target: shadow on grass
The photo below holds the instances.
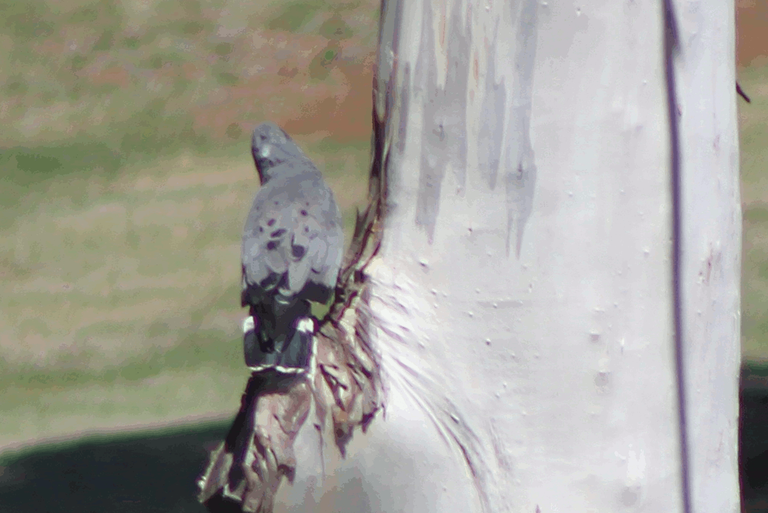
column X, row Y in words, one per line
column 136, row 472
column 753, row 438
column 157, row 470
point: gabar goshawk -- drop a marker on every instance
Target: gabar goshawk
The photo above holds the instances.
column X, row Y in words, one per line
column 291, row 254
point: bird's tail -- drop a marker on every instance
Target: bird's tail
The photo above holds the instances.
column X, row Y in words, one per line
column 289, row 352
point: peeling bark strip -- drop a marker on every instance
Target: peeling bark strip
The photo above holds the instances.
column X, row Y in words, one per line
column 347, row 378
column 348, row 381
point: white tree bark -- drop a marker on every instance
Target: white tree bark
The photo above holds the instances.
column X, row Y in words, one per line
column 522, row 304
column 711, row 248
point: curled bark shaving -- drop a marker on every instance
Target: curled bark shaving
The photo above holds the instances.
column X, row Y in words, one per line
column 348, row 380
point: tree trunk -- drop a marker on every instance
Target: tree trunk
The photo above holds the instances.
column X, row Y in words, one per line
column 546, row 285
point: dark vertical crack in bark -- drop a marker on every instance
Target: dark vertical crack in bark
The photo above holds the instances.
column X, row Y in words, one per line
column 671, row 48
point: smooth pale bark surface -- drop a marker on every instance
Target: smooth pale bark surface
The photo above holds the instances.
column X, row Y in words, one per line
column 711, row 248
column 522, row 298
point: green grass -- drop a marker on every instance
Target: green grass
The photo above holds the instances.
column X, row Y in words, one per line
column 108, row 284
column 161, row 76
column 753, row 120
column 47, row 410
column 125, row 178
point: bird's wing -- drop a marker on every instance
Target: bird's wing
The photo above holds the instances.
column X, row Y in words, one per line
column 293, row 241
column 316, row 249
column 264, row 251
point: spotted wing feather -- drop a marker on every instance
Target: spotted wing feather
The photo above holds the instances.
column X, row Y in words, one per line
column 293, row 241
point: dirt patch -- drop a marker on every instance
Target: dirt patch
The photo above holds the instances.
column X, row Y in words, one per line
column 347, row 115
column 114, row 75
column 751, row 32
column 307, row 83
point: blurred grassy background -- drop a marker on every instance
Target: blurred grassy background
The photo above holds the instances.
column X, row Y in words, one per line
column 753, row 126
column 125, row 177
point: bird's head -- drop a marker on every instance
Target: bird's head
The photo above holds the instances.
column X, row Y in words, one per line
column 270, row 147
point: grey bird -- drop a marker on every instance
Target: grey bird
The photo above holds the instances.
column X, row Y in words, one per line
column 291, row 254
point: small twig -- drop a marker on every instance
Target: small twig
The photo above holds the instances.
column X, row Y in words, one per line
column 742, row 93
